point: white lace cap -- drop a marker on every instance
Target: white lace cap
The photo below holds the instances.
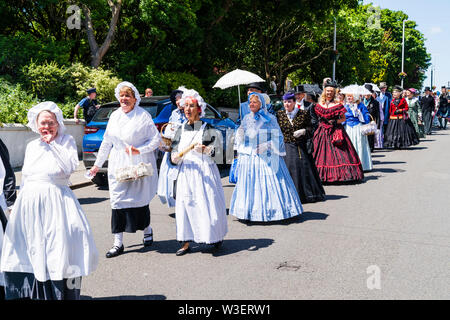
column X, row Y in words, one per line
column 130, row 85
column 191, row 93
column 45, row 106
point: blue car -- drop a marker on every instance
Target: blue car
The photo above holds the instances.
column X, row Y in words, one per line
column 160, row 108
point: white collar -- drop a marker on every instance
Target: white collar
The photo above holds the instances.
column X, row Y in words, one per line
column 292, row 114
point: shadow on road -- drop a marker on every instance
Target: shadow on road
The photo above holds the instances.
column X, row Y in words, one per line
column 237, row 245
column 228, row 246
column 334, row 197
column 229, row 186
column 91, row 200
column 305, row 216
column 374, row 162
column 387, row 170
column 148, row 297
column 308, row 215
column 368, row 178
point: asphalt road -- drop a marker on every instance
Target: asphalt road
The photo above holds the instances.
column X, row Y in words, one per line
column 386, row 238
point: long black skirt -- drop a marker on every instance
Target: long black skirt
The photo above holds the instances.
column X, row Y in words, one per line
column 400, row 133
column 130, row 219
column 304, row 173
column 23, row 285
column 3, row 219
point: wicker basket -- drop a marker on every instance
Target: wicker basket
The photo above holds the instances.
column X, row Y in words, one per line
column 166, row 143
column 370, row 128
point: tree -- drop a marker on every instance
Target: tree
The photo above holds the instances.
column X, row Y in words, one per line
column 97, row 52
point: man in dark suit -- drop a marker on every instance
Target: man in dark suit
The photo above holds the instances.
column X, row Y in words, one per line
column 373, row 106
column 428, row 105
column 443, row 108
column 9, row 185
column 384, row 98
column 302, row 103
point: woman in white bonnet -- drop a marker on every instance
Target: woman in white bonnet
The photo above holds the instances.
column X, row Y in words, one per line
column 130, row 128
column 48, row 244
column 200, row 208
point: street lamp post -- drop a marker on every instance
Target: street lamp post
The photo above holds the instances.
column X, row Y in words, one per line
column 431, row 77
column 403, row 51
column 334, row 48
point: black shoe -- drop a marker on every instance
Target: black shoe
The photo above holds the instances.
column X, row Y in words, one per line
column 147, row 243
column 182, row 251
column 217, row 245
column 115, row 251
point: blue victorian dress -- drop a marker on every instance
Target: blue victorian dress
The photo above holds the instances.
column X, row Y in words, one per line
column 264, row 190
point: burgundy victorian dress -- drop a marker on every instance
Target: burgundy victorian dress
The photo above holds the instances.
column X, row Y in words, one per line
column 335, row 162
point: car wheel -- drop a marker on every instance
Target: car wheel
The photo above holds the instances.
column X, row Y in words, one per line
column 100, row 179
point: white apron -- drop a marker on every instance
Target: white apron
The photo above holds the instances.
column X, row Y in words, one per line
column 200, row 201
column 47, row 232
column 136, row 129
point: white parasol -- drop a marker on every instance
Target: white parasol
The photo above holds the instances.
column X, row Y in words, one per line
column 236, row 78
column 355, row 89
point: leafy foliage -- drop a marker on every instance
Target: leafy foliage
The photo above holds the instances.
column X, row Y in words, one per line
column 163, row 44
column 14, row 103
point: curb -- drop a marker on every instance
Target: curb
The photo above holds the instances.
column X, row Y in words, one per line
column 81, row 185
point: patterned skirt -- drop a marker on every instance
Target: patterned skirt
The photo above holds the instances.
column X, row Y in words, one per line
column 335, row 163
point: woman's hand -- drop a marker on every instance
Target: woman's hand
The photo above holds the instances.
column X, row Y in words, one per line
column 200, row 148
column 175, row 158
column 133, row 150
column 263, row 147
column 93, row 171
column 46, row 136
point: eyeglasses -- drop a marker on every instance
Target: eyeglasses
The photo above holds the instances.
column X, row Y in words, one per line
column 48, row 124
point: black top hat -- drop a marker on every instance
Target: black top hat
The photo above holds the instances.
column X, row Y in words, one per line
column 256, row 85
column 398, row 88
column 427, row 89
column 299, row 89
column 369, row 87
column 330, row 83
column 91, row 90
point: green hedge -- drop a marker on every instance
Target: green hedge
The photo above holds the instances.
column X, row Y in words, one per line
column 49, row 81
column 14, row 103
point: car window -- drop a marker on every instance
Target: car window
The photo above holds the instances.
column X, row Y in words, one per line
column 210, row 114
column 153, row 110
column 103, row 114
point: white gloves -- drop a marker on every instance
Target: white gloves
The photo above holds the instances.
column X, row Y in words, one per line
column 203, row 149
column 299, row 133
column 263, row 147
column 239, row 136
column 175, row 158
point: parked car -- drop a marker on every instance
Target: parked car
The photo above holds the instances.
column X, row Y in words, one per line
column 160, row 108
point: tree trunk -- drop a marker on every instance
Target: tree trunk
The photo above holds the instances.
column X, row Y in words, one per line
column 97, row 53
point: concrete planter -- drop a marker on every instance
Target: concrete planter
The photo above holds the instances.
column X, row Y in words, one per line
column 16, row 137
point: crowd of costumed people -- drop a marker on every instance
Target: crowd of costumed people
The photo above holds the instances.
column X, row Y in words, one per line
column 283, row 159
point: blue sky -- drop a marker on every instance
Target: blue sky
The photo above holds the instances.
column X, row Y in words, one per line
column 433, row 20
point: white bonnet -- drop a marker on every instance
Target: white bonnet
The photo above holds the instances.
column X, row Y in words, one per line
column 127, row 84
column 45, row 106
column 193, row 94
